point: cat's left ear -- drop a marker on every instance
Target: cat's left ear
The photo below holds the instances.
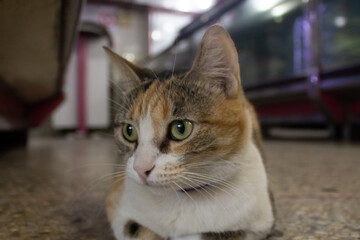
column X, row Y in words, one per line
column 131, row 75
column 216, row 62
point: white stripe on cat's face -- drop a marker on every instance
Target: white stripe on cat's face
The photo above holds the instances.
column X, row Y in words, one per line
column 146, row 129
column 147, row 156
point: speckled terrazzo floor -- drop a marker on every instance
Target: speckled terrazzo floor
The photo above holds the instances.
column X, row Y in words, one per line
column 54, row 189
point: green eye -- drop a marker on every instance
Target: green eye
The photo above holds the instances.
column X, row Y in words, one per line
column 129, row 132
column 180, row 129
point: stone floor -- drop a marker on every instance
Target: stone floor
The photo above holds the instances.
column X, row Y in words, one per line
column 55, row 188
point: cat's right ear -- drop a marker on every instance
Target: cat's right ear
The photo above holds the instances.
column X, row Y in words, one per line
column 216, row 61
column 131, row 74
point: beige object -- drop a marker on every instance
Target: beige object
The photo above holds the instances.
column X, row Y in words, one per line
column 33, row 45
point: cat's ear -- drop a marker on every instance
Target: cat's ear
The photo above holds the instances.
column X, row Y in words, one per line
column 216, row 61
column 131, row 75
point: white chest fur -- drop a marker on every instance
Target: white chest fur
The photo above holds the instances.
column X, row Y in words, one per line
column 245, row 207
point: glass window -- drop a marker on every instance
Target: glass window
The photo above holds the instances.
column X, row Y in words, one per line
column 164, row 28
column 340, row 33
column 268, row 37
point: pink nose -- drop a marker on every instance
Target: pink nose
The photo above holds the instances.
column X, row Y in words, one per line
column 143, row 169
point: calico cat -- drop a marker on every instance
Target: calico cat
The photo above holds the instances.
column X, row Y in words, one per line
column 190, row 145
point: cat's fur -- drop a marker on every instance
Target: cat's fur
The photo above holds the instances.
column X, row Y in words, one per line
column 221, row 157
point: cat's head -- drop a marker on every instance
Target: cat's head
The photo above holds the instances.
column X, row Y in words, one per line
column 186, row 131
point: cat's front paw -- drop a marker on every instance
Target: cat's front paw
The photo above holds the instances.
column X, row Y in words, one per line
column 134, row 231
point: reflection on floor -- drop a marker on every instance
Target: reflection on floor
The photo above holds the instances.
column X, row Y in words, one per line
column 54, row 189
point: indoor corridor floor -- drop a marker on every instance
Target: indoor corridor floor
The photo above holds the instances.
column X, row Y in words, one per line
column 55, row 189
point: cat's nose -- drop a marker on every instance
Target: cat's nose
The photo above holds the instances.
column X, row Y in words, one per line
column 143, row 169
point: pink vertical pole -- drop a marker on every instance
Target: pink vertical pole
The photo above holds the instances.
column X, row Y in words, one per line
column 81, row 86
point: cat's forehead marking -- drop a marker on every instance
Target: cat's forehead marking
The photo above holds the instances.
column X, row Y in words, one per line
column 151, row 109
column 142, row 102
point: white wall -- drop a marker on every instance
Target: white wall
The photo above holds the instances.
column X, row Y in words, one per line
column 97, row 89
column 128, row 29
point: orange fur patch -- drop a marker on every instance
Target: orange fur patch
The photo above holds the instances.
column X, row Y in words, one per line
column 112, row 200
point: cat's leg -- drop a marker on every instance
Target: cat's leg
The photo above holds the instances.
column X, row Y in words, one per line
column 236, row 235
column 231, row 235
column 255, row 236
column 118, row 227
column 190, row 237
column 125, row 229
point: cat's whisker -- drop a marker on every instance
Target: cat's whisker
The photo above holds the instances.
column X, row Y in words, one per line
column 176, row 192
column 216, row 185
column 173, row 68
column 211, row 179
column 188, row 179
column 112, row 175
column 208, row 177
column 125, row 103
column 119, row 178
column 213, row 197
column 182, row 189
column 220, row 163
column 196, row 164
column 235, row 164
column 98, row 180
column 144, row 62
column 93, row 165
column 115, row 109
column 201, row 166
column 106, row 134
column 225, row 184
column 117, row 85
column 118, row 105
column 202, row 191
column 206, row 190
column 207, row 163
column 189, row 184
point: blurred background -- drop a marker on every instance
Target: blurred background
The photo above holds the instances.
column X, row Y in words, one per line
column 300, row 67
column 300, row 60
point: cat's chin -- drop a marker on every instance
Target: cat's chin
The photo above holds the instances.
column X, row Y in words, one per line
column 161, row 190
column 186, row 191
column 194, row 189
column 167, row 190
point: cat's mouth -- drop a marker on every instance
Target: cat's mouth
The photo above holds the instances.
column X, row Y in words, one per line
column 192, row 189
